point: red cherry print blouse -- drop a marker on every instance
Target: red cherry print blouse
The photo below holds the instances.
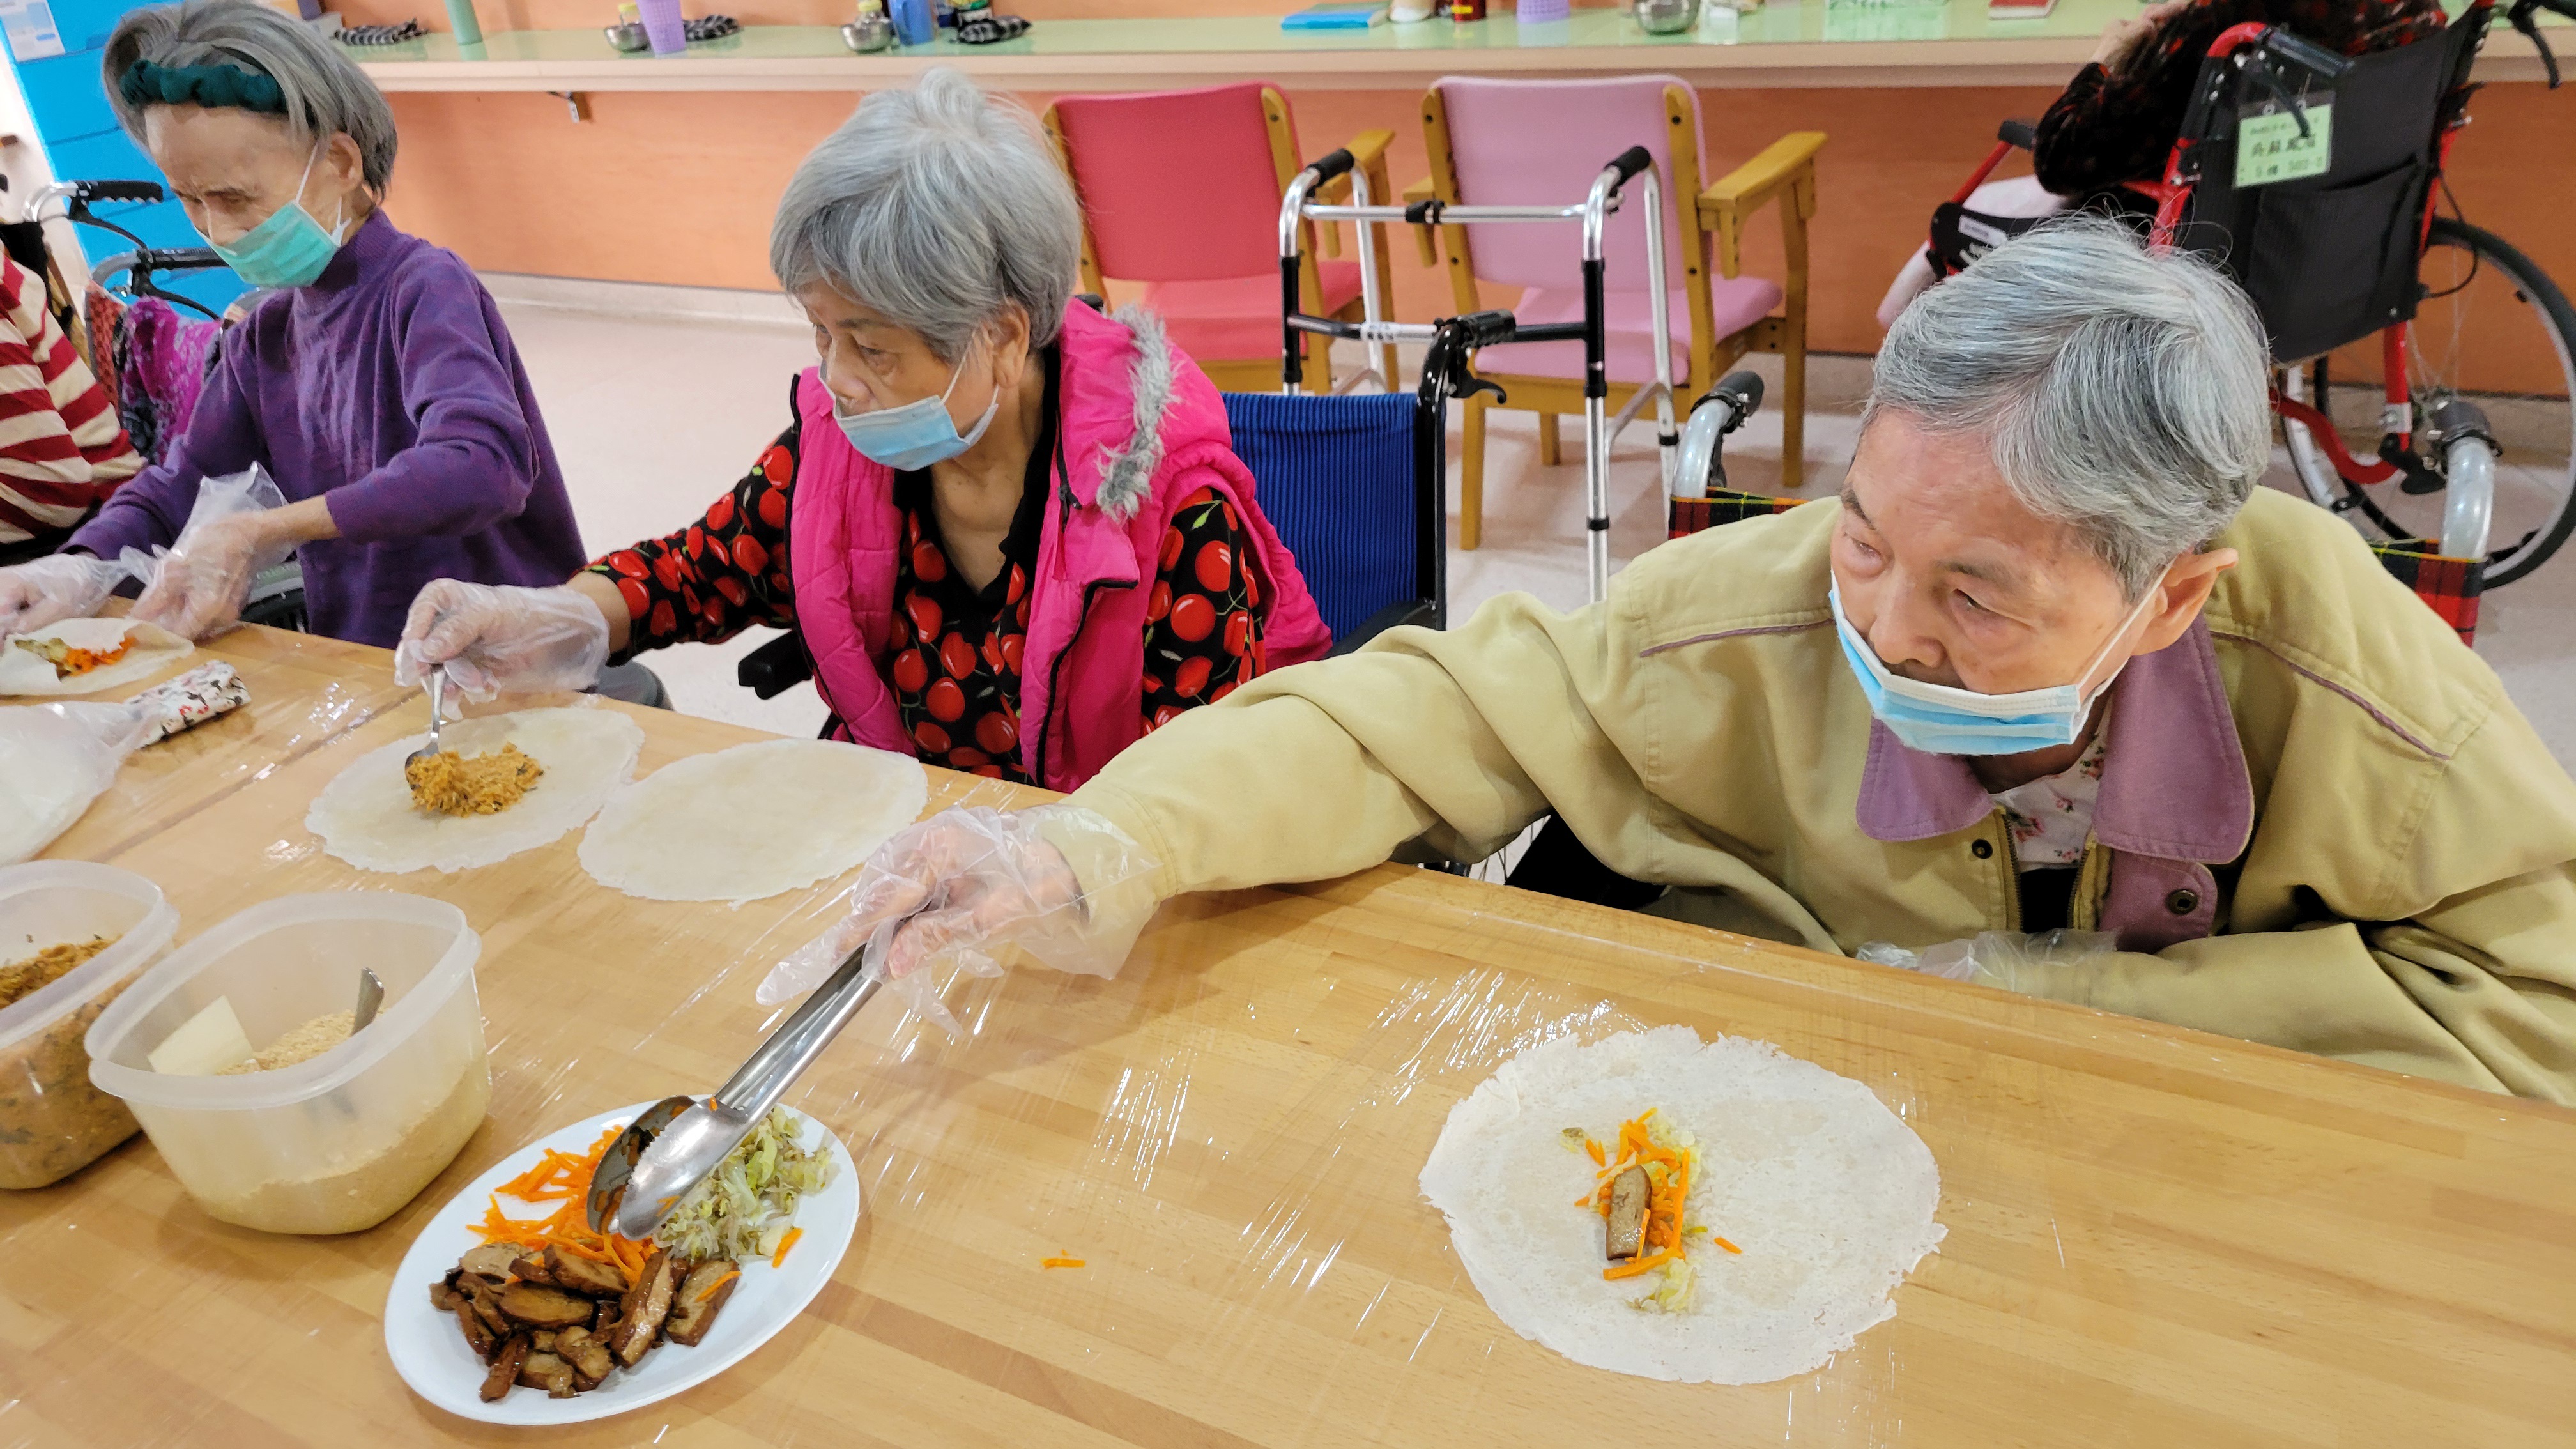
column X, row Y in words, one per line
column 955, row 671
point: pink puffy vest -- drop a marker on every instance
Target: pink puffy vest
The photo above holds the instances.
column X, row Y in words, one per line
column 1141, row 429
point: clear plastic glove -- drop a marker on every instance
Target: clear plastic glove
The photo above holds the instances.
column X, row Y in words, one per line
column 196, row 588
column 496, row 638
column 54, row 760
column 1061, row 883
column 2009, row 959
column 49, row 590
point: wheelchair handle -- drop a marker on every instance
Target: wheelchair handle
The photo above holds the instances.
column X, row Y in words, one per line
column 116, row 191
column 1629, row 162
column 1337, row 162
column 2020, row 135
column 2307, row 55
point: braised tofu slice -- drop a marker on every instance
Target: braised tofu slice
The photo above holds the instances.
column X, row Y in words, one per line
column 532, row 1270
column 1630, row 1194
column 587, row 1355
column 478, row 1334
column 536, row 1306
column 702, row 1294
column 492, row 1260
column 584, row 1276
column 647, row 1304
column 546, row 1371
column 505, row 1368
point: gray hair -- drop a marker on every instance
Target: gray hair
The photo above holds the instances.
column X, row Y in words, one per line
column 937, row 206
column 326, row 94
column 2123, row 390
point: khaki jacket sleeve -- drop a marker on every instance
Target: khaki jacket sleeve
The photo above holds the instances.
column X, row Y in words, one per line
column 1331, row 767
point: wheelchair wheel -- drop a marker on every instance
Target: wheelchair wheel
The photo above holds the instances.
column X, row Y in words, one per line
column 2494, row 329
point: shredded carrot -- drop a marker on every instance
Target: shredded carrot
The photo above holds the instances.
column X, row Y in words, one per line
column 1592, row 1147
column 785, row 1242
column 1639, row 1265
column 1061, row 1263
column 1723, row 1243
column 561, row 1176
column 711, row 1288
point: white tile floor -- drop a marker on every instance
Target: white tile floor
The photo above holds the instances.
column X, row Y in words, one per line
column 652, row 418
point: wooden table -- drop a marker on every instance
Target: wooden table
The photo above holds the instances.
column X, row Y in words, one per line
column 305, row 691
column 2157, row 1238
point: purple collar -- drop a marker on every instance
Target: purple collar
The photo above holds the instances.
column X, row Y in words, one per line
column 358, row 257
column 2174, row 783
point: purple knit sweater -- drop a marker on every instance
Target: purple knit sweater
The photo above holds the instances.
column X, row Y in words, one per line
column 390, row 385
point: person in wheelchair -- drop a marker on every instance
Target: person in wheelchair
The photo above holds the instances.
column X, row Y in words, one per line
column 380, row 392
column 1020, row 537
column 2052, row 659
column 2117, row 120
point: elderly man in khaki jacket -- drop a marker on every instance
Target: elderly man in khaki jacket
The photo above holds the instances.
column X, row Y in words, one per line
column 2052, row 658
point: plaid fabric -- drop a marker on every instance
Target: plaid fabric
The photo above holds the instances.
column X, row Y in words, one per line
column 2449, row 585
column 1724, row 505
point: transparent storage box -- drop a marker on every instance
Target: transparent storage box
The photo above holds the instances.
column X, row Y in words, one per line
column 53, row 1120
column 338, row 1143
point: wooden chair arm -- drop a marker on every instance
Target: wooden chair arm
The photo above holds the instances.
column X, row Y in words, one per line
column 1786, row 165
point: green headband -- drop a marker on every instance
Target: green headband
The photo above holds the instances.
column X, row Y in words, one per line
column 204, row 85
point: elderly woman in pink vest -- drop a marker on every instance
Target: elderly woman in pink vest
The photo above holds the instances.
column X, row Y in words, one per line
column 1010, row 529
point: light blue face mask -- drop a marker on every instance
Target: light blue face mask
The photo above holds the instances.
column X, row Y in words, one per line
column 917, row 434
column 289, row 249
column 1940, row 720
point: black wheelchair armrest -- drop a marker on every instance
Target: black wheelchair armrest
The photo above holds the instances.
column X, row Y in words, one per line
column 1408, row 611
column 2022, row 134
column 775, row 667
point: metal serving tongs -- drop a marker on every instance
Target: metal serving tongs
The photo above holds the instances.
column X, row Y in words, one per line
column 678, row 1142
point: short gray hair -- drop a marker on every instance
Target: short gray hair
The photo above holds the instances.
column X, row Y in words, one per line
column 937, row 206
column 2124, row 391
column 326, row 94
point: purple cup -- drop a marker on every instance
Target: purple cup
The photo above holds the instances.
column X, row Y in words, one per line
column 664, row 27
column 1540, row 12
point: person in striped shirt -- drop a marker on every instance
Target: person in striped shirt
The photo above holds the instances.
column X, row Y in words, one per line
column 62, row 450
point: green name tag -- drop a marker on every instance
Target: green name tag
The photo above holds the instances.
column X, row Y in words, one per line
column 2269, row 147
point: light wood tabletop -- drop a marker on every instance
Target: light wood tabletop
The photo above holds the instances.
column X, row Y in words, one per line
column 305, row 691
column 2156, row 1237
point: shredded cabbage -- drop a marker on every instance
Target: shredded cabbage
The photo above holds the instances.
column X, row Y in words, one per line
column 744, row 1206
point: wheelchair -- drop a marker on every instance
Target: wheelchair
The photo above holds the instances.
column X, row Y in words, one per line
column 2411, row 348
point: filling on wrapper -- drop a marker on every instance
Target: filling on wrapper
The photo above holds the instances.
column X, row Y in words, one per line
column 70, row 661
column 1827, row 1194
column 448, row 783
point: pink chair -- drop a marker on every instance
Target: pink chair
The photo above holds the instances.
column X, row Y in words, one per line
column 1181, row 191
column 1507, row 142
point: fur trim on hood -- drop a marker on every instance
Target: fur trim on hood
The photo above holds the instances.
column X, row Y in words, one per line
column 1127, row 476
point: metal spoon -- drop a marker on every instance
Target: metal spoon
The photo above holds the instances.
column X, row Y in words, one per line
column 371, row 995
column 673, row 1147
column 437, row 682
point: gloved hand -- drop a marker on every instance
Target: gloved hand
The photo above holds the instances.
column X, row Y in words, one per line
column 196, row 589
column 49, row 590
column 2039, row 964
column 1062, row 883
column 495, row 638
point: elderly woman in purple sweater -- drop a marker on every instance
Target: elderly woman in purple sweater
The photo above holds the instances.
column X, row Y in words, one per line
column 380, row 390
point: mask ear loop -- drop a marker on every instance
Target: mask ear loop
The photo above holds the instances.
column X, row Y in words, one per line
column 2137, row 611
column 340, row 208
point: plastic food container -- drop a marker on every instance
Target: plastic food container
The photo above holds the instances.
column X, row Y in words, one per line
column 53, row 1121
column 335, row 1144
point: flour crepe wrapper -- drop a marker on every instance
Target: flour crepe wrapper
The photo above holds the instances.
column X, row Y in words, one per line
column 365, row 816
column 752, row 821
column 151, row 650
column 1830, row 1196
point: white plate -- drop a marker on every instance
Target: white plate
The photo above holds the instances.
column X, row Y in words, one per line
column 430, row 1352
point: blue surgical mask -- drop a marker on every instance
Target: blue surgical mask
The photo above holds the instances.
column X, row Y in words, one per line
column 917, row 434
column 289, row 249
column 1941, row 720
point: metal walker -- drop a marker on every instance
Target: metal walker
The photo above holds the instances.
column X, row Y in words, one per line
column 1461, row 335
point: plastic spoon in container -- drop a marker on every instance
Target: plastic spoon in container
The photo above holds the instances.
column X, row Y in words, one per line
column 679, row 1142
column 437, row 682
